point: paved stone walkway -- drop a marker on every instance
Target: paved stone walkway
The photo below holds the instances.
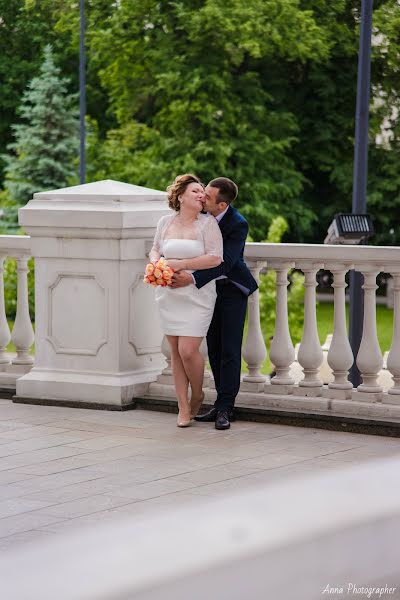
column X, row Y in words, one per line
column 64, row 467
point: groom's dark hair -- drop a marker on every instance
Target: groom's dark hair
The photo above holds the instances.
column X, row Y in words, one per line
column 227, row 189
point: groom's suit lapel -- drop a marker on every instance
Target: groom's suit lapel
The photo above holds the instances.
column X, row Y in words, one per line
column 224, row 222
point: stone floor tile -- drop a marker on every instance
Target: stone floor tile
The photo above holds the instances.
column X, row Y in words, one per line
column 56, row 466
column 66, row 493
column 16, row 506
column 83, row 506
column 12, row 477
column 38, row 443
column 26, row 432
column 58, row 480
column 100, row 443
column 37, row 457
column 25, row 537
column 25, row 522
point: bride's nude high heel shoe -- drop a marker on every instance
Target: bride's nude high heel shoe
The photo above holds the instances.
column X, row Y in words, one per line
column 183, row 423
column 195, row 406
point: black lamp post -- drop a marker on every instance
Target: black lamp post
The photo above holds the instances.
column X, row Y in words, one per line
column 82, row 94
column 360, row 175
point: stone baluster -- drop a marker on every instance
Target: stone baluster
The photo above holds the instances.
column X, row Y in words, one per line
column 393, row 361
column 22, row 333
column 166, row 350
column 166, row 375
column 282, row 350
column 369, row 357
column 207, row 374
column 5, row 335
column 310, row 354
column 340, row 355
column 254, row 350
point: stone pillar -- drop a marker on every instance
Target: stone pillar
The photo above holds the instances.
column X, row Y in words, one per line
column 254, row 350
column 98, row 339
column 369, row 357
column 310, row 354
column 282, row 350
column 340, row 356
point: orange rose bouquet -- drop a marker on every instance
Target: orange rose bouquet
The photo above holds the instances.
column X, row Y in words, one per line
column 158, row 273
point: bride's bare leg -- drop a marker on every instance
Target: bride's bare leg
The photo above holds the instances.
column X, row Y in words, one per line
column 193, row 362
column 180, row 378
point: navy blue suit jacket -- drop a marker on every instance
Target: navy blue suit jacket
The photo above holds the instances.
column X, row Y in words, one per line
column 234, row 229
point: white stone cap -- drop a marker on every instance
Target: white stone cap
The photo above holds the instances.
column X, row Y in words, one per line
column 102, row 191
column 84, row 210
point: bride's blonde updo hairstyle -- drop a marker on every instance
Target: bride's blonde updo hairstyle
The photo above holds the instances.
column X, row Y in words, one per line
column 178, row 187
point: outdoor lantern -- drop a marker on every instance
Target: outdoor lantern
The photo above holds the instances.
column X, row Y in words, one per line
column 349, row 228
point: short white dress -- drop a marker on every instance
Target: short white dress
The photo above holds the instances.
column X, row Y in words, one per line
column 187, row 311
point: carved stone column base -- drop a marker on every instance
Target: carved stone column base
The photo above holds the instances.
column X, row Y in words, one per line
column 252, row 386
column 365, row 410
column 165, row 379
column 116, row 389
column 337, row 394
column 275, row 388
column 312, row 392
column 393, row 399
column 366, row 396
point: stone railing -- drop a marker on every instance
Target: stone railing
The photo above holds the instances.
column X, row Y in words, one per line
column 12, row 366
column 98, row 340
column 310, row 393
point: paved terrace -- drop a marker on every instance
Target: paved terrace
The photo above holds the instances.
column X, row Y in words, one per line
column 61, row 468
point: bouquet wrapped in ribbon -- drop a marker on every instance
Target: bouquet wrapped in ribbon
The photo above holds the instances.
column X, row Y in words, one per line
column 158, row 273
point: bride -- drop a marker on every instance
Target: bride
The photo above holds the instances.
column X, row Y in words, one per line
column 188, row 240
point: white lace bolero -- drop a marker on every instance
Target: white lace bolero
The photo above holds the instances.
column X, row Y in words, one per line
column 206, row 228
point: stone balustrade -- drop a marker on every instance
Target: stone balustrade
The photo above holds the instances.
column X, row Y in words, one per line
column 13, row 365
column 310, row 393
column 98, row 338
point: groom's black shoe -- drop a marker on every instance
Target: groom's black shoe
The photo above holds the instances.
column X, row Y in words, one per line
column 211, row 415
column 223, row 420
column 207, row 417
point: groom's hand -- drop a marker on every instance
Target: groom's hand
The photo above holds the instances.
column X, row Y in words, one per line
column 181, row 279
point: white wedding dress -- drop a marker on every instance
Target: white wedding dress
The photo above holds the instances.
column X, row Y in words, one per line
column 187, row 311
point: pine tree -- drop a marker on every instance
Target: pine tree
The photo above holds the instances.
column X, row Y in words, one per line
column 45, row 149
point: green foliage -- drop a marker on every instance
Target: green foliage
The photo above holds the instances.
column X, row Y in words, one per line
column 262, row 91
column 276, row 231
column 189, row 85
column 46, row 143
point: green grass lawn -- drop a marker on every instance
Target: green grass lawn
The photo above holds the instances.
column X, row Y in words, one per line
column 384, row 318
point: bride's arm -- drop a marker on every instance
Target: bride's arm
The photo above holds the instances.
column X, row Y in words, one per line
column 206, row 261
column 213, row 246
column 154, row 253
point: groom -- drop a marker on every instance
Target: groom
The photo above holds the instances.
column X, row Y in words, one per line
column 234, row 284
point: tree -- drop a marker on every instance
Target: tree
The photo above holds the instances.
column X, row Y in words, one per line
column 188, row 85
column 262, row 91
column 46, row 143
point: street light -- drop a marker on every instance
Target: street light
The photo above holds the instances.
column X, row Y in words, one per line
column 82, row 93
column 360, row 174
column 349, row 228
